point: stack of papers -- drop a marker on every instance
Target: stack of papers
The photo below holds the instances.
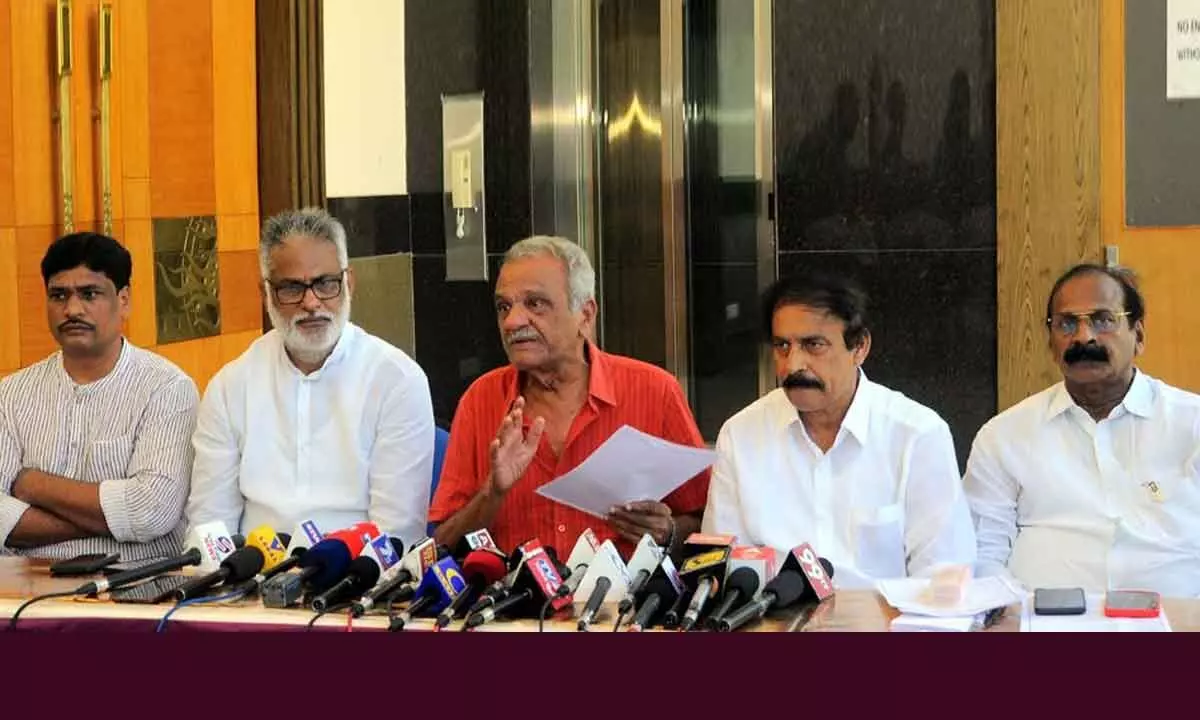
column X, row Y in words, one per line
column 629, row 466
column 980, row 595
column 1093, row 620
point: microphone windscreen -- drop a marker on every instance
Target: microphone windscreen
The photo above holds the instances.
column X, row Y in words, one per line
column 285, row 539
column 827, row 567
column 244, row 564
column 331, row 558
column 397, row 545
column 443, row 552
column 485, row 564
column 366, row 570
column 239, row 540
column 744, row 580
column 788, row 588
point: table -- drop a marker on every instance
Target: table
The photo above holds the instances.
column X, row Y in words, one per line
column 847, row 611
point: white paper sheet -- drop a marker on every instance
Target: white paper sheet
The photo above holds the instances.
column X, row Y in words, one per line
column 923, row 623
column 1092, row 620
column 629, row 466
column 981, row 595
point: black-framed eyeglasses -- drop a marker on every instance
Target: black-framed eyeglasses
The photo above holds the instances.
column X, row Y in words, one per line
column 291, row 292
column 1102, row 321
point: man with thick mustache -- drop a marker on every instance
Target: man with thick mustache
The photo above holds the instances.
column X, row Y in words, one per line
column 865, row 474
column 1094, row 482
column 317, row 419
column 518, row 427
column 95, row 440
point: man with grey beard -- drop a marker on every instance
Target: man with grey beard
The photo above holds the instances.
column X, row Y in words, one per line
column 317, row 420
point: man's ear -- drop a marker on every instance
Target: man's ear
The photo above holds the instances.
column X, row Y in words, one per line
column 1139, row 337
column 587, row 319
column 863, row 350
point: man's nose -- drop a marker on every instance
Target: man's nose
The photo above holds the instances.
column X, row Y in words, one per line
column 514, row 319
column 1084, row 332
column 309, row 301
column 74, row 306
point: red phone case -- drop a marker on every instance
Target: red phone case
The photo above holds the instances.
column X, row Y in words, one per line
column 1148, row 612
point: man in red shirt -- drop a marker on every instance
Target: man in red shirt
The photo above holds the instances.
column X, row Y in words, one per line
column 520, row 426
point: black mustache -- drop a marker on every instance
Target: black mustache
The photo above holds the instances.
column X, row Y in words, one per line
column 75, row 324
column 798, row 380
column 1079, row 352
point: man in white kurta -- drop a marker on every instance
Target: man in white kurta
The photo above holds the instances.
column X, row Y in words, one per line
column 1095, row 481
column 865, row 474
column 317, row 420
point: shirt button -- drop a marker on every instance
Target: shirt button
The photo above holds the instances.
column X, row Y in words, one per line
column 562, row 528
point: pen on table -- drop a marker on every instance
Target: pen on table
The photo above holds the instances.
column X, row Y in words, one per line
column 991, row 617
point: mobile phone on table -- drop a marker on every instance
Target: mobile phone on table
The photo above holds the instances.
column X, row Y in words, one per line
column 119, row 567
column 1059, row 601
column 1132, row 603
column 160, row 589
column 83, row 564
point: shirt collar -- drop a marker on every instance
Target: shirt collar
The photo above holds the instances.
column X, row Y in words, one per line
column 599, row 378
column 122, row 361
column 858, row 417
column 1138, row 400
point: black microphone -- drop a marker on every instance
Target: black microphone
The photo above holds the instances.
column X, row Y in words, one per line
column 740, row 587
column 363, row 574
column 599, row 592
column 242, row 565
column 786, row 589
column 702, row 573
column 659, row 592
column 121, row 579
column 480, row 568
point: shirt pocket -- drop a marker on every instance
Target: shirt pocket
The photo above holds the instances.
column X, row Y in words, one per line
column 109, row 459
column 879, row 541
column 1171, row 502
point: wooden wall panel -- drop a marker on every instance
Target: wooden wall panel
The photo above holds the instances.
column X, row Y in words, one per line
column 1048, row 173
column 142, row 329
column 85, row 101
column 132, row 102
column 10, row 318
column 36, row 340
column 181, row 108
column 1164, row 258
column 234, row 125
column 35, row 157
column 241, row 301
column 6, row 118
column 237, row 232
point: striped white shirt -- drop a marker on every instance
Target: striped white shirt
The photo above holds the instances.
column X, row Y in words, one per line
column 130, row 432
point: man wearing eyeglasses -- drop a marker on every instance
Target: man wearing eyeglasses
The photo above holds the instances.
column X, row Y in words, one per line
column 1094, row 482
column 317, row 420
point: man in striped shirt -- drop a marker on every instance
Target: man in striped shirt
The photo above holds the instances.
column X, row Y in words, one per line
column 95, row 440
column 520, row 426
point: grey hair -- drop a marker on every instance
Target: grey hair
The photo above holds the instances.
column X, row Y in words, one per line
column 311, row 222
column 581, row 278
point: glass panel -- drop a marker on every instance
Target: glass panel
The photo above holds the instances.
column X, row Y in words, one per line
column 722, row 214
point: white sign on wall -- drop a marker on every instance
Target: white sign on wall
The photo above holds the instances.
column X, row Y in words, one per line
column 1183, row 49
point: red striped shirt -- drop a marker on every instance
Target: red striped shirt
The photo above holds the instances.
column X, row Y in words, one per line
column 621, row 391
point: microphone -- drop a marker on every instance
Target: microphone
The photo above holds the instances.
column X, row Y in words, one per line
column 536, row 582
column 209, row 544
column 322, row 565
column 577, row 562
column 599, row 592
column 702, row 574
column 305, row 535
column 441, row 584
column 363, row 574
column 356, row 536
column 475, row 540
column 740, row 587
column 659, row 591
column 502, row 588
column 268, row 543
column 413, row 564
column 663, row 591
column 804, row 577
column 481, row 568
column 239, row 567
column 642, row 564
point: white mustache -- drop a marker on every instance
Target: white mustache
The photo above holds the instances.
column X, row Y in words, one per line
column 319, row 315
column 523, row 334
